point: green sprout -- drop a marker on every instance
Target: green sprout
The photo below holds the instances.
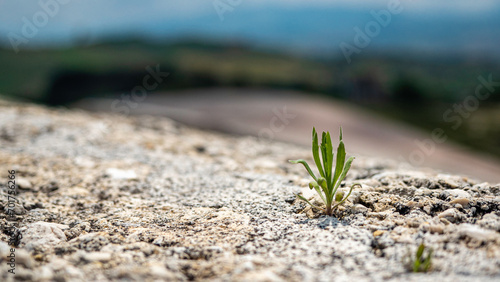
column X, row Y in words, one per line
column 329, row 181
column 420, row 263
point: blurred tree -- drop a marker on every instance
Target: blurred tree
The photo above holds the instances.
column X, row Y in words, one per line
column 406, row 92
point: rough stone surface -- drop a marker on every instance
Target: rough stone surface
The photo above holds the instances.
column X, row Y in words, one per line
column 122, row 198
column 41, row 235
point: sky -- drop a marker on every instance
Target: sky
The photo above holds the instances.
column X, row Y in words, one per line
column 310, row 25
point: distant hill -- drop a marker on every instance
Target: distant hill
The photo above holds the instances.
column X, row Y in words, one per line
column 414, row 88
column 316, row 31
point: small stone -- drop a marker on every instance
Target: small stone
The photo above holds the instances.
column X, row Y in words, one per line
column 462, row 201
column 399, row 221
column 437, row 229
column 264, row 163
column 485, row 207
column 74, row 273
column 449, row 214
column 482, row 187
column 379, row 215
column 457, row 194
column 414, row 223
column 477, row 233
column 58, row 264
column 18, row 210
column 85, row 226
column 44, row 273
column 24, row 184
column 413, row 204
column 427, row 209
column 445, row 221
column 97, row 256
column 378, row 233
column 160, row 271
column 77, row 191
column 449, row 181
column 43, row 234
column 116, row 173
column 84, row 162
column 358, row 208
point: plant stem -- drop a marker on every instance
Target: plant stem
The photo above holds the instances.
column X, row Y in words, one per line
column 329, row 210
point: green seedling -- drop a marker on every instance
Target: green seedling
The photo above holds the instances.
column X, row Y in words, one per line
column 419, row 262
column 329, row 181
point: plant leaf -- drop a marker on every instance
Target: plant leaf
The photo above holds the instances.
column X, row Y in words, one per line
column 315, row 150
column 339, row 196
column 323, row 153
column 420, row 251
column 315, row 185
column 340, row 159
column 347, row 166
column 305, row 165
column 416, row 266
column 324, row 186
column 329, row 160
column 427, row 261
column 307, row 201
column 348, row 194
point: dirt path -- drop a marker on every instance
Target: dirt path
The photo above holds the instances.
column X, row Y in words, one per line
column 289, row 117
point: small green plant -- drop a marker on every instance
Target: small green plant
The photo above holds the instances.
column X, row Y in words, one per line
column 329, row 181
column 419, row 262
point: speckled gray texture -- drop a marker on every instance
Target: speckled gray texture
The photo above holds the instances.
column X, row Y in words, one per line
column 147, row 199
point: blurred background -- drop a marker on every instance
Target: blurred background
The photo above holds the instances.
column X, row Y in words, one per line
column 413, row 81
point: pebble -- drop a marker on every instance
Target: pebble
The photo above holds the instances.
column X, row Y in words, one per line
column 97, row 256
column 477, row 233
column 449, row 181
column 457, row 194
column 450, row 214
column 116, row 173
column 462, row 201
column 358, row 208
column 160, row 271
column 77, row 191
column 43, row 234
column 19, row 210
column 44, row 273
column 24, row 184
column 434, row 228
